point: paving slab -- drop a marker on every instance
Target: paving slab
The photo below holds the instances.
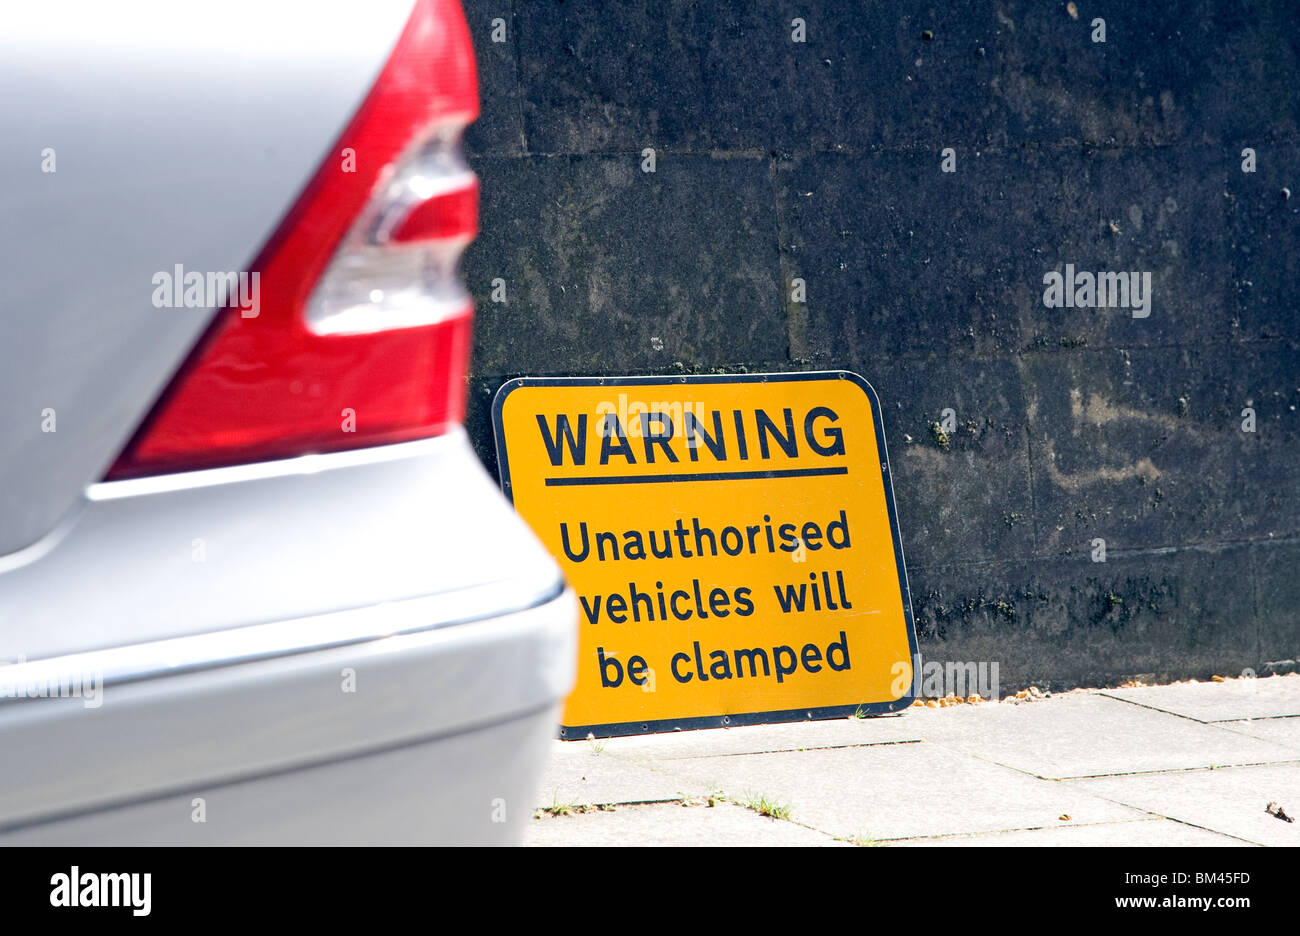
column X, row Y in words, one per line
column 1218, row 702
column 1086, row 735
column 1283, row 731
column 759, row 739
column 1160, row 833
column 673, row 825
column 896, row 791
column 576, row 775
column 1228, row 800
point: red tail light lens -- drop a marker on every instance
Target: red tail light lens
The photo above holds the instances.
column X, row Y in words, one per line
column 359, row 331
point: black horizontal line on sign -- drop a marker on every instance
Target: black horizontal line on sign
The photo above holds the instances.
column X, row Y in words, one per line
column 699, row 476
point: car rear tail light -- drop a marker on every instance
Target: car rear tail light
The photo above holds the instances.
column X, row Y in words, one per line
column 360, row 331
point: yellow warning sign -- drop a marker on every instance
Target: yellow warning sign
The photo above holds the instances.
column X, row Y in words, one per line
column 732, row 541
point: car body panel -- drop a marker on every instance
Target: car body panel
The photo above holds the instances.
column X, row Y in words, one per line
column 472, row 788
column 343, row 606
column 181, row 134
column 201, row 730
column 231, row 547
column 361, row 647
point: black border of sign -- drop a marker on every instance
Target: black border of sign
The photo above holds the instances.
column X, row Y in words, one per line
column 619, row 729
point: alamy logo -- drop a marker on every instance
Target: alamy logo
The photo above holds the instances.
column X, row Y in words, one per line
column 634, row 418
column 77, row 889
column 18, row 681
column 1104, row 290
column 934, row 679
column 212, row 290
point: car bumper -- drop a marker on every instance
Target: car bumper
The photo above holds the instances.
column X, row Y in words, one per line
column 410, row 700
column 435, row 736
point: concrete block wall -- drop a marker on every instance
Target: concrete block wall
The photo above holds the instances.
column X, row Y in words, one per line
column 821, row 160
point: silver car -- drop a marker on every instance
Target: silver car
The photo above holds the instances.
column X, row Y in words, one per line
column 255, row 587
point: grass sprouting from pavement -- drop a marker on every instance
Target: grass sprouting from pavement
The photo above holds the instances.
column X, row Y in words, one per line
column 766, row 807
